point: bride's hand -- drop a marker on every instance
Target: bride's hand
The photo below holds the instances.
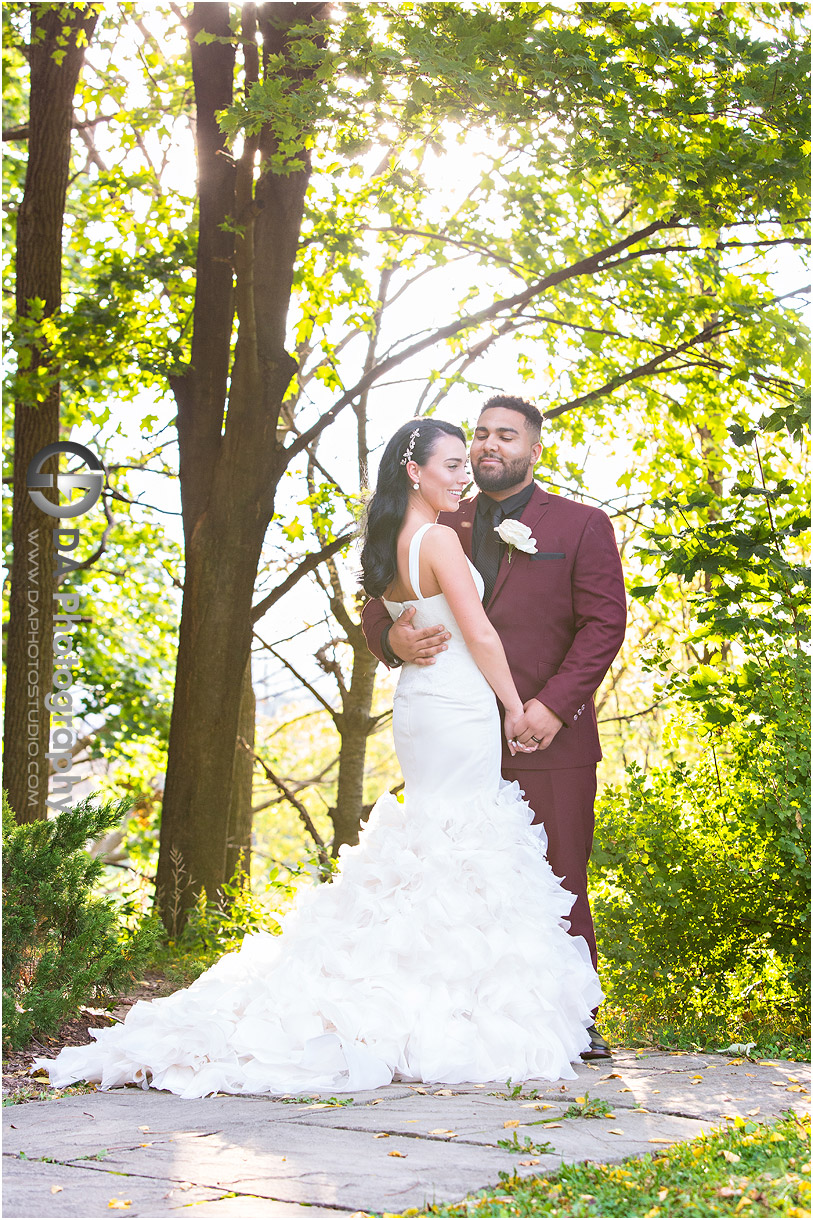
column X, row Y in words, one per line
column 516, row 724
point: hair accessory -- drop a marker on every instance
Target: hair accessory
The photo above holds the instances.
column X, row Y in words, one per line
column 410, row 446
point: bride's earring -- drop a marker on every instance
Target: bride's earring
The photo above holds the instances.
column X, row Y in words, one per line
column 417, row 486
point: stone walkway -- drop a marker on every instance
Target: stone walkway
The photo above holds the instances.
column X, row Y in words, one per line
column 151, row 1154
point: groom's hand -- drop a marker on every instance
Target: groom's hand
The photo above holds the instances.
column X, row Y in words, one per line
column 416, row 645
column 542, row 723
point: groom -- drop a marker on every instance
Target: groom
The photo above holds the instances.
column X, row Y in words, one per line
column 561, row 616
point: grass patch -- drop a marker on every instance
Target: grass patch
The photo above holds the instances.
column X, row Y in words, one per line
column 634, row 1028
column 743, row 1169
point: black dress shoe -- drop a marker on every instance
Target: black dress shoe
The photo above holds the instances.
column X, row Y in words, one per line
column 599, row 1048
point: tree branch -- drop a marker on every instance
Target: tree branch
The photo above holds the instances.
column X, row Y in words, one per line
column 324, row 859
column 22, row 132
column 586, row 266
column 307, row 565
column 297, row 675
column 640, row 370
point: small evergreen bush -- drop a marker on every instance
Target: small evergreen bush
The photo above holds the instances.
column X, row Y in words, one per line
column 62, row 946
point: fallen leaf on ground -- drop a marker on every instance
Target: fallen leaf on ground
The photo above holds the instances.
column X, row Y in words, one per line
column 120, row 1203
column 536, row 1162
column 615, row 1131
column 441, row 1131
column 536, row 1105
column 753, row 1112
column 381, row 1135
column 395, row 1152
column 443, row 1093
column 794, row 1088
column 731, row 1157
column 793, row 1079
column 658, row 1139
column 55, row 1190
column 511, row 1122
column 143, row 1128
column 625, row 1090
column 613, row 1076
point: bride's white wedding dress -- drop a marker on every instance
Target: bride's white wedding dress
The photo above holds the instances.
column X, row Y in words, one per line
column 437, row 953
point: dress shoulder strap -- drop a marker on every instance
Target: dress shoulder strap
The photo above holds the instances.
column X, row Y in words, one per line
column 414, row 558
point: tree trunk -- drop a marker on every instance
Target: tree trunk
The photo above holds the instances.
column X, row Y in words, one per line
column 229, row 472
column 238, row 846
column 59, row 34
column 354, row 723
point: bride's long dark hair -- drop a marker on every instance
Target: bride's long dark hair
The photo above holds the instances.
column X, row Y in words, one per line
column 385, row 511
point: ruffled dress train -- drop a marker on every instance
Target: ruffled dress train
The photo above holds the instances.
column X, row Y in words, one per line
column 438, row 953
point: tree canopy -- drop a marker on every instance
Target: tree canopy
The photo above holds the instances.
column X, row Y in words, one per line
column 396, row 209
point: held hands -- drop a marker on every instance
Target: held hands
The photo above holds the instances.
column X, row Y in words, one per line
column 532, row 729
column 543, row 724
column 516, row 727
column 414, row 645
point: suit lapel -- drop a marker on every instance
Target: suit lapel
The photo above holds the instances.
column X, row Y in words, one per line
column 532, row 514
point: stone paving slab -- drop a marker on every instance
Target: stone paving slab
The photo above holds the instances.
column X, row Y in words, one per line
column 27, row 1191
column 330, row 1167
column 90, row 1192
column 709, row 1091
column 282, row 1157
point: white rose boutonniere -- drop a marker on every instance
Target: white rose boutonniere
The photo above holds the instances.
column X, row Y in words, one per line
column 515, row 534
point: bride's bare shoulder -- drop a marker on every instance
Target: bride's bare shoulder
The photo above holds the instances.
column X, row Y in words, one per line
column 443, row 537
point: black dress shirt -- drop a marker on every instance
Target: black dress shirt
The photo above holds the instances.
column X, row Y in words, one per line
column 486, row 546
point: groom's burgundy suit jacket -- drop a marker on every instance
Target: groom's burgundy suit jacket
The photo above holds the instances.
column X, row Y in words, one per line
column 561, row 616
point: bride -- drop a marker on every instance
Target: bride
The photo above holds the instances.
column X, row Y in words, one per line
column 439, row 952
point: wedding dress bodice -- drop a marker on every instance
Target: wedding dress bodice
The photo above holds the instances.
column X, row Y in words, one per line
column 434, row 609
column 446, row 722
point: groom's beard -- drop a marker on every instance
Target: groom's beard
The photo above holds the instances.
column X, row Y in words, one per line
column 501, row 477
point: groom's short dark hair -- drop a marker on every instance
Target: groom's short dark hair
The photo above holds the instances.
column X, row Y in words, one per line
column 533, row 417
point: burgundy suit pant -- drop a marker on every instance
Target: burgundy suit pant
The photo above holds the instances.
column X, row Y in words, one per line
column 563, row 800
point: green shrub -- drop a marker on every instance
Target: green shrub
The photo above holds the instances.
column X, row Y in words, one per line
column 217, row 926
column 696, row 917
column 701, row 871
column 61, row 945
